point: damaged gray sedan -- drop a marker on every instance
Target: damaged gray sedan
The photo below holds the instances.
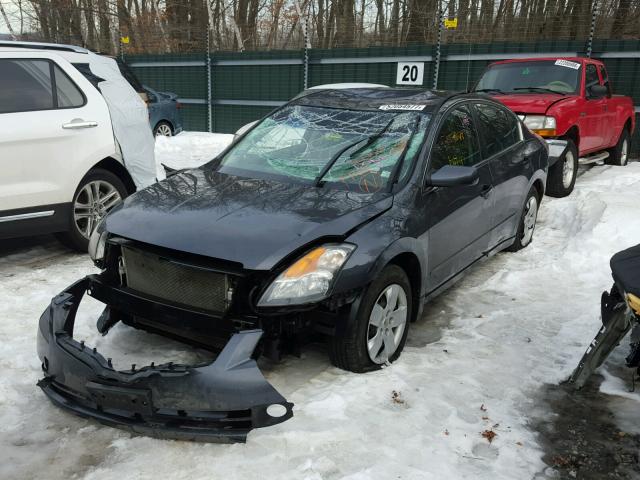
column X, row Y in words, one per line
column 334, row 218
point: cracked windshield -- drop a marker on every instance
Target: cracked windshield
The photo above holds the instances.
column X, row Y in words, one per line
column 362, row 151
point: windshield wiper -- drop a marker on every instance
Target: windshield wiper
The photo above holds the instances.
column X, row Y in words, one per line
column 490, row 90
column 318, row 180
column 540, row 89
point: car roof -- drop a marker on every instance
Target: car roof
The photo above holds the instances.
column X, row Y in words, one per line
column 13, row 44
column 394, row 99
column 546, row 59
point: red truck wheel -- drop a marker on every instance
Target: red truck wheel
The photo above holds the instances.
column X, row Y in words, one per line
column 562, row 174
column 619, row 155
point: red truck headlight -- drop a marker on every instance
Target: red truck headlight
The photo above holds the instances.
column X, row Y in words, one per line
column 541, row 124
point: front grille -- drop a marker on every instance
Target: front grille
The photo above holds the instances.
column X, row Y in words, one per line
column 188, row 285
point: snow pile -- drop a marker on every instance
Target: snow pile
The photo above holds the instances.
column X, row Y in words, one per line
column 475, row 362
column 190, row 149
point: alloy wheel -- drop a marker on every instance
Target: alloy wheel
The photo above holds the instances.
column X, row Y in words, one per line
column 93, row 202
column 624, row 152
column 163, row 130
column 567, row 169
column 530, row 217
column 387, row 322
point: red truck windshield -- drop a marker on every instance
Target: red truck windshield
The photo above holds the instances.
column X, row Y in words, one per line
column 553, row 76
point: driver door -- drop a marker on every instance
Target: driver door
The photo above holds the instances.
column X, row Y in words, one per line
column 593, row 115
column 459, row 218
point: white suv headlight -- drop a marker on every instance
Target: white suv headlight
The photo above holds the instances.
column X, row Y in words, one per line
column 309, row 278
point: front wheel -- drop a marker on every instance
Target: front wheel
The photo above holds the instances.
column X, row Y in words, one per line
column 563, row 173
column 379, row 332
column 528, row 221
column 99, row 191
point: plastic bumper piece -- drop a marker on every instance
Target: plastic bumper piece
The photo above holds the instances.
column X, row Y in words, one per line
column 217, row 402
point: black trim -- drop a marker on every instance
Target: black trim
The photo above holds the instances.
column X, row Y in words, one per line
column 58, row 222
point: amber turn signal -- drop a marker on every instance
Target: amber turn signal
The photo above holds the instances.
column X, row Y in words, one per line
column 306, row 264
column 545, row 132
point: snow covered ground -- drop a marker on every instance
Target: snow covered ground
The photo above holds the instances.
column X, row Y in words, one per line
column 477, row 360
column 190, row 149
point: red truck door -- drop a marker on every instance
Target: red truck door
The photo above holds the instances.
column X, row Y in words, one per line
column 610, row 135
column 593, row 115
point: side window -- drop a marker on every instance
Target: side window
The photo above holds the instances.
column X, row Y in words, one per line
column 605, row 80
column 591, row 77
column 25, row 85
column 499, row 128
column 457, row 142
column 68, row 94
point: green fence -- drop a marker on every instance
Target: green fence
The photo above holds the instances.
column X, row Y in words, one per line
column 228, row 90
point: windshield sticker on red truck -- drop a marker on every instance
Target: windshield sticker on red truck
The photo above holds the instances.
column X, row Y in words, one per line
column 568, row 64
column 402, row 107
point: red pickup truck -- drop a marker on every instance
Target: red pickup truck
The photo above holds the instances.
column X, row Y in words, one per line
column 568, row 99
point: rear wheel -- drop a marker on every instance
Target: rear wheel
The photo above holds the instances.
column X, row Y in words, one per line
column 619, row 155
column 563, row 173
column 99, row 191
column 527, row 221
column 379, row 332
column 163, row 129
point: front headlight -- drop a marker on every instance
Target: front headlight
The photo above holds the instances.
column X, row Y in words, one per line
column 97, row 242
column 541, row 124
column 309, row 278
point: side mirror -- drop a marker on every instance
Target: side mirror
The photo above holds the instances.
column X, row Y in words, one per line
column 598, row 91
column 452, row 175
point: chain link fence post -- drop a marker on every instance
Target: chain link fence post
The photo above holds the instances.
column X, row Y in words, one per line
column 208, row 66
column 436, row 65
column 592, row 28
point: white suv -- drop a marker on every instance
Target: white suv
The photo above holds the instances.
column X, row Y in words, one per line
column 75, row 140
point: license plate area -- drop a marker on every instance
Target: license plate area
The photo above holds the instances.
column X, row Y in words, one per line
column 134, row 400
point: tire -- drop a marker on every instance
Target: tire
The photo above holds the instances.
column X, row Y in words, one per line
column 111, row 191
column 619, row 155
column 528, row 219
column 349, row 350
column 163, row 129
column 558, row 184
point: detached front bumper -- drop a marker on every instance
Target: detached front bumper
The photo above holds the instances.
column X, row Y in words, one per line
column 218, row 402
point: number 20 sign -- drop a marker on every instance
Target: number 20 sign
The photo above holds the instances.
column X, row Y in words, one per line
column 410, row 73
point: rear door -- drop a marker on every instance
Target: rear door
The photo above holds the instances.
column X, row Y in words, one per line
column 503, row 147
column 53, row 131
column 459, row 217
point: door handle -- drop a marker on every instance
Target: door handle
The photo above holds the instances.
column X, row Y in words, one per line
column 486, row 190
column 77, row 124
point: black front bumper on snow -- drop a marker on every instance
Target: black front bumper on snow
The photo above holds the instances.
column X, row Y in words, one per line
column 217, row 402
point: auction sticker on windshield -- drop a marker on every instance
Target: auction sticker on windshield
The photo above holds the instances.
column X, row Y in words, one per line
column 402, row 107
column 568, row 64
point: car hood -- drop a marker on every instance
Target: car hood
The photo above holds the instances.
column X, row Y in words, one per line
column 531, row 103
column 256, row 223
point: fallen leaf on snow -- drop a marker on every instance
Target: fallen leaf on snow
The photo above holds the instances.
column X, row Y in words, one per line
column 489, row 435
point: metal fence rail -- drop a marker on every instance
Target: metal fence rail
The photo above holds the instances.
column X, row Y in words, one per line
column 222, row 92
